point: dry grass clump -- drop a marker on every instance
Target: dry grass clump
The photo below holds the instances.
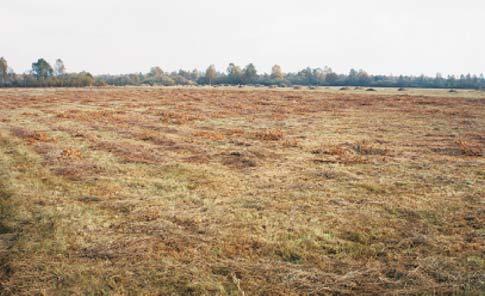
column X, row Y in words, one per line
column 234, row 132
column 178, row 117
column 204, row 191
column 154, row 137
column 290, row 143
column 469, row 149
column 71, row 153
column 77, row 170
column 91, row 115
column 339, row 154
column 461, row 148
column 213, row 136
column 269, row 135
column 366, row 148
column 67, row 162
column 30, row 135
column 129, row 152
column 350, row 152
column 239, row 160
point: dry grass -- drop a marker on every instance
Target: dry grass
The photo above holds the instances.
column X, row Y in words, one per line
column 163, row 191
column 269, row 135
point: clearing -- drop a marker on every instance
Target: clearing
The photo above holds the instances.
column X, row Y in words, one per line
column 160, row 191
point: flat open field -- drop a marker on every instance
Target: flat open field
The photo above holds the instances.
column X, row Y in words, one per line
column 152, row 191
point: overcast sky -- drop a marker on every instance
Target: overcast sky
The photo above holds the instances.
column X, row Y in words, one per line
column 115, row 36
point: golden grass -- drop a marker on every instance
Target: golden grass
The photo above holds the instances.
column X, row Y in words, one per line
column 201, row 191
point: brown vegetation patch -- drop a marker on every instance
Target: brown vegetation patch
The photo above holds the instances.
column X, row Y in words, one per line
column 173, row 117
column 461, row 148
column 102, row 115
column 154, row 137
column 89, row 198
column 130, row 152
column 290, row 143
column 469, row 149
column 338, row 154
column 237, row 132
column 367, row 148
column 269, row 135
column 239, row 160
column 359, row 148
column 293, row 97
column 71, row 153
column 77, row 170
column 67, row 162
column 261, row 192
column 200, row 158
column 31, row 136
column 213, row 136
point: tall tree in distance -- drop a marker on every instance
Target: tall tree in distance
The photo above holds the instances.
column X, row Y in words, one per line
column 234, row 74
column 195, row 74
column 3, row 70
column 156, row 72
column 330, row 76
column 363, row 77
column 277, row 72
column 249, row 74
column 42, row 69
column 59, row 68
column 211, row 74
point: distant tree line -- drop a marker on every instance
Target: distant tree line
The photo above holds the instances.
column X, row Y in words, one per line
column 43, row 74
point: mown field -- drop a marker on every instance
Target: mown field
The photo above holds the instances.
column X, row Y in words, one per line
column 199, row 191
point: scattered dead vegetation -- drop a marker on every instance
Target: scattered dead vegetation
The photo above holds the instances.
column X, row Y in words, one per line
column 291, row 143
column 239, row 160
column 213, row 136
column 30, row 135
column 269, row 135
column 164, row 191
column 461, row 148
column 77, row 170
column 173, row 117
column 366, row 148
column 469, row 149
column 129, row 152
column 349, row 153
column 71, row 153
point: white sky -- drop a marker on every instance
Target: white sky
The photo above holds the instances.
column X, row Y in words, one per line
column 116, row 36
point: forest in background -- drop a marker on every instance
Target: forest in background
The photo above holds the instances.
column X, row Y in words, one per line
column 43, row 74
